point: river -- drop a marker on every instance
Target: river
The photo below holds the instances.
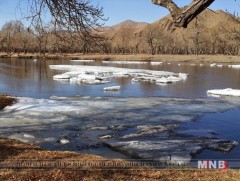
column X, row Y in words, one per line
column 188, row 110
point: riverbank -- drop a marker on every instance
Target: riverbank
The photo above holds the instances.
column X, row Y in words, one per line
column 6, row 101
column 135, row 57
column 13, row 152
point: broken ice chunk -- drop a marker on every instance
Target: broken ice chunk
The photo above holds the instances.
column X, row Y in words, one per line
column 91, row 73
column 64, row 141
column 156, row 63
column 224, row 92
column 213, row 65
column 234, row 66
column 113, row 88
column 84, row 61
column 105, row 137
column 62, row 76
column 148, row 129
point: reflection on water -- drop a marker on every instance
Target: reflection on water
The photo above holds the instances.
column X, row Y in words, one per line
column 34, row 79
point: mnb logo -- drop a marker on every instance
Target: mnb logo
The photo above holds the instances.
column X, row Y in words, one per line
column 213, row 164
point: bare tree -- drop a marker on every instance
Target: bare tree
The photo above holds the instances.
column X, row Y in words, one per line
column 68, row 15
column 122, row 39
column 153, row 37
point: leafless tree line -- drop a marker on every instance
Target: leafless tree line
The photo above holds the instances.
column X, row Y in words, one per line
column 42, row 39
column 16, row 38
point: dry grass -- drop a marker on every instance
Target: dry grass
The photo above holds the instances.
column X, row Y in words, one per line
column 6, row 101
column 136, row 57
column 12, row 151
column 163, row 58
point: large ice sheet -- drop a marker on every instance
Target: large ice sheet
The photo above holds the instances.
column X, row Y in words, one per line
column 234, row 66
column 224, row 92
column 177, row 150
column 147, row 126
column 99, row 74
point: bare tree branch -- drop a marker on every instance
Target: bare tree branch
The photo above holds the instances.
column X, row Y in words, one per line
column 183, row 16
column 69, row 15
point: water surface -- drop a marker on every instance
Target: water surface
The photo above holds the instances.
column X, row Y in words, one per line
column 22, row 77
column 26, row 78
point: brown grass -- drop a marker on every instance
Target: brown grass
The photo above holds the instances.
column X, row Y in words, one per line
column 135, row 57
column 6, row 101
column 12, row 151
column 163, row 58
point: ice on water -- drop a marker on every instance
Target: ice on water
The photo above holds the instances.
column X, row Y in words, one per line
column 224, row 92
column 103, row 74
column 134, row 126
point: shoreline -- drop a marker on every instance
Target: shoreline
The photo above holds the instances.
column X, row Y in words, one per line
column 17, row 155
column 134, row 57
column 22, row 161
column 6, row 100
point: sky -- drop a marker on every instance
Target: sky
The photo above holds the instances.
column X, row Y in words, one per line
column 117, row 10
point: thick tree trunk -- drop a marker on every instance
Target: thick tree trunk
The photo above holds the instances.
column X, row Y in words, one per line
column 182, row 16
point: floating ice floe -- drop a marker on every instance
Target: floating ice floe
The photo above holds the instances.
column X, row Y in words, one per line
column 105, row 137
column 149, row 129
column 213, row 65
column 26, row 138
column 124, row 62
column 224, row 92
column 61, row 77
column 64, row 141
column 83, row 61
column 113, row 88
column 102, row 74
column 234, row 66
column 156, row 63
column 216, row 65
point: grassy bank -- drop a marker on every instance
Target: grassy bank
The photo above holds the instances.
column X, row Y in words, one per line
column 6, row 101
column 137, row 57
column 13, row 151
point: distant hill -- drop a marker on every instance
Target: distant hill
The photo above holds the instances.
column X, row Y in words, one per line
column 137, row 26
column 204, row 34
column 133, row 26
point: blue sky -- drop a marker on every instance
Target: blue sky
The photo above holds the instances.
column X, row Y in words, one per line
column 118, row 10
